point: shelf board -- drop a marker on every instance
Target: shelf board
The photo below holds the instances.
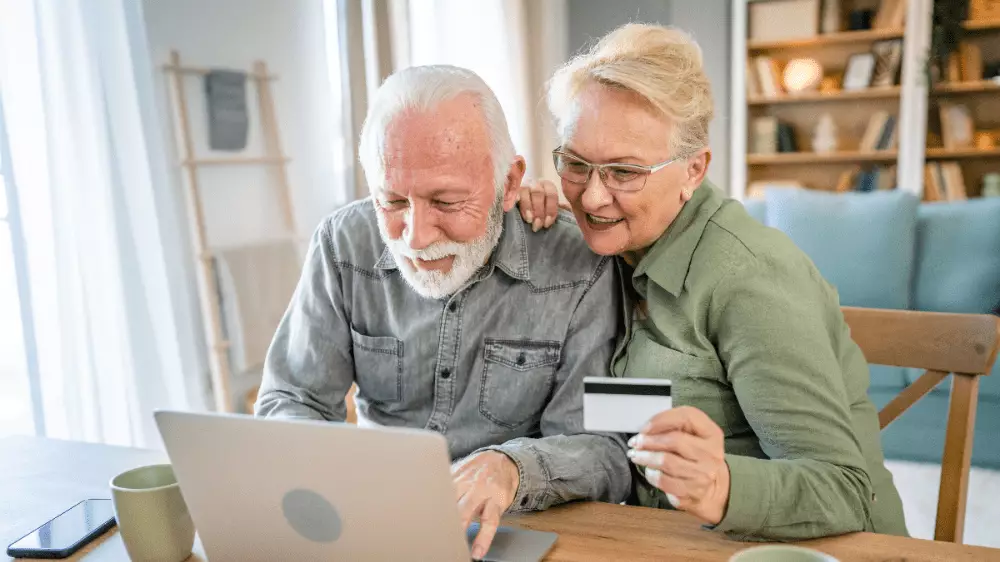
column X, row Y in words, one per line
column 971, row 87
column 814, row 158
column 981, row 25
column 868, row 35
column 809, row 97
column 952, row 153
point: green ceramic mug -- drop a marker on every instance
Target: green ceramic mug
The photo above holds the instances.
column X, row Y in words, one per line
column 780, row 553
column 153, row 519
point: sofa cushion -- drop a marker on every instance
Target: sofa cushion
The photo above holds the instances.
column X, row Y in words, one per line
column 862, row 243
column 958, row 257
column 756, row 208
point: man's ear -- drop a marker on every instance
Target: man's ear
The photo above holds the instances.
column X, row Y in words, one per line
column 512, row 189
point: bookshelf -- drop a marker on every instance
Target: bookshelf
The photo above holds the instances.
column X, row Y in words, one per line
column 841, row 96
column 977, row 102
column 827, row 39
column 813, row 158
column 872, row 130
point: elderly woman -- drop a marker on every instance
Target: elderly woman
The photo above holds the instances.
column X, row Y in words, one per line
column 772, row 435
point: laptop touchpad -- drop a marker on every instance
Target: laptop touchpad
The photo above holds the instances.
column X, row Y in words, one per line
column 515, row 545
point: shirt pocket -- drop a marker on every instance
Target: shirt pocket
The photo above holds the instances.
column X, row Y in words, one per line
column 695, row 381
column 378, row 367
column 517, row 379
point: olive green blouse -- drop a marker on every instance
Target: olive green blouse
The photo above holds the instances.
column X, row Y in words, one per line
column 750, row 333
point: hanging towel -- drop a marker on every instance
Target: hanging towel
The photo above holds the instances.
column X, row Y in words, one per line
column 256, row 283
column 228, row 120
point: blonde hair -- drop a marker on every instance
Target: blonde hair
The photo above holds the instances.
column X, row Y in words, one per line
column 663, row 65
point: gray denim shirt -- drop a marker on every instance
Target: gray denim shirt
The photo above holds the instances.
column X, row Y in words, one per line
column 499, row 365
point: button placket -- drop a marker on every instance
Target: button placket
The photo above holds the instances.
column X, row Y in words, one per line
column 444, row 382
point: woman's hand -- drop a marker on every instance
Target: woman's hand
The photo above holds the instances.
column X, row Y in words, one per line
column 683, row 451
column 539, row 204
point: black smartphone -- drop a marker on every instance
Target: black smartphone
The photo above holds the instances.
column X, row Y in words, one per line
column 67, row 532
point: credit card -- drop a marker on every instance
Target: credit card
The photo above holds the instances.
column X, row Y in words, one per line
column 620, row 405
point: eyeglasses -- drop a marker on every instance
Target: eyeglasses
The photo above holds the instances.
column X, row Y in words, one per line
column 618, row 177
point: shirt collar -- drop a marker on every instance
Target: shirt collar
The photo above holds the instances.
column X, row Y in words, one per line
column 669, row 259
column 510, row 255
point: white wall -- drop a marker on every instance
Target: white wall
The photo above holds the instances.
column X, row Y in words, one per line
column 241, row 202
column 707, row 20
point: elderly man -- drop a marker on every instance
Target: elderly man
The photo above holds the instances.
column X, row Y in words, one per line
column 451, row 315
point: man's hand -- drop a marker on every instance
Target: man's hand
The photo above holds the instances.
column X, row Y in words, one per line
column 486, row 484
column 684, row 455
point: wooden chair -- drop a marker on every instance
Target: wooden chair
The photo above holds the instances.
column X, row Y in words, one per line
column 964, row 345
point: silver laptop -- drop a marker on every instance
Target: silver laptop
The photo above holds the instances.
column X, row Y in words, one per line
column 302, row 490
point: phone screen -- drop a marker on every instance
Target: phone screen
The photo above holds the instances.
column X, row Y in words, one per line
column 69, row 528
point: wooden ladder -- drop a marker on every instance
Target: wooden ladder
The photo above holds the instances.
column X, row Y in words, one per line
column 273, row 158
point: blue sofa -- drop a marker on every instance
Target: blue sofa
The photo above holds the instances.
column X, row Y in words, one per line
column 887, row 250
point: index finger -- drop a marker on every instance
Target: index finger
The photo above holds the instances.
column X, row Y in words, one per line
column 685, row 418
column 489, row 522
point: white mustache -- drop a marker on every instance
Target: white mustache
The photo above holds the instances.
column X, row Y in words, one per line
column 436, row 251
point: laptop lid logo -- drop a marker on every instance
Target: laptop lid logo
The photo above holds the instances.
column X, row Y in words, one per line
column 311, row 516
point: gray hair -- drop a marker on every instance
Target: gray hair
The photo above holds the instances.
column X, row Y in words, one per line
column 423, row 88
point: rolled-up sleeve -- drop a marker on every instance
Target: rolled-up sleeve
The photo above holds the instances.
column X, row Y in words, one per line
column 309, row 370
column 566, row 463
column 775, row 328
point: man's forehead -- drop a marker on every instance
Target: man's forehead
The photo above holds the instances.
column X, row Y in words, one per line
column 451, row 127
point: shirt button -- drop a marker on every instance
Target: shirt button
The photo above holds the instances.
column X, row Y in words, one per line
column 445, row 373
column 524, row 501
column 521, row 359
column 434, row 427
column 453, row 306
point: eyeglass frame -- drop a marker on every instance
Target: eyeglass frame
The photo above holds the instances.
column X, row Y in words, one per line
column 645, row 170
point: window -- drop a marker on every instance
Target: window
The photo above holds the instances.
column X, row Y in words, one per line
column 20, row 409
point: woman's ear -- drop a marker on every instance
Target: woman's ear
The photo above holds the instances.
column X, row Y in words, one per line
column 697, row 167
column 512, row 189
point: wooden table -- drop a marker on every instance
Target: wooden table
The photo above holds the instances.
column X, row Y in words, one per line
column 39, row 478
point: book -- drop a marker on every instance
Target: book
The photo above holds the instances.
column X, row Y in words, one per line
column 846, row 179
column 957, row 129
column 891, row 15
column 887, row 135
column 970, row 62
column 786, row 138
column 953, row 181
column 767, row 78
column 765, row 135
column 869, row 141
column 753, row 85
column 932, row 190
column 887, row 179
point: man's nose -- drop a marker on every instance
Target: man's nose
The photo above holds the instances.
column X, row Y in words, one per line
column 421, row 228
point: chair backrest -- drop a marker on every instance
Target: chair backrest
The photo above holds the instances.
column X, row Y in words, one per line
column 964, row 345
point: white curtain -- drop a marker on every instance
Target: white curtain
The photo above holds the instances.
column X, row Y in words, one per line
column 92, row 176
column 516, row 45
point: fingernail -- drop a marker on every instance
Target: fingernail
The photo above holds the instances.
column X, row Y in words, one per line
column 631, row 453
column 549, row 221
column 536, row 225
column 530, row 216
column 673, row 500
column 633, row 441
column 478, row 553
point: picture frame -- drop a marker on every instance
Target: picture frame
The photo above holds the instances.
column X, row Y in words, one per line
column 858, row 74
column 888, row 60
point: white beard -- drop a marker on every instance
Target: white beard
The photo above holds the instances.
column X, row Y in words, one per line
column 469, row 257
